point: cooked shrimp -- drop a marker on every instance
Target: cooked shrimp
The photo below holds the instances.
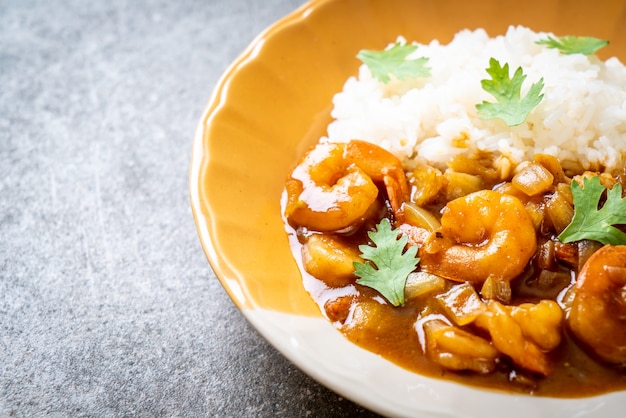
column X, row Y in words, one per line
column 334, row 185
column 598, row 311
column 512, row 334
column 329, row 259
column 456, row 349
column 483, row 234
column 540, row 322
column 523, row 332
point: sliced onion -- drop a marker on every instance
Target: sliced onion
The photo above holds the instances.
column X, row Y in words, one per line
column 533, row 179
column 461, row 304
column 585, row 249
column 497, row 289
column 421, row 283
column 420, row 217
column 559, row 211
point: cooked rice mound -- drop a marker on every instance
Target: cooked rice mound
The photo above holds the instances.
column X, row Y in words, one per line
column 581, row 119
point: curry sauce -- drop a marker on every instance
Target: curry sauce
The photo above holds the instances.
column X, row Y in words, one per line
column 490, row 301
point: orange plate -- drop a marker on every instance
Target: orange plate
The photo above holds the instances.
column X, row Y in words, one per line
column 275, row 100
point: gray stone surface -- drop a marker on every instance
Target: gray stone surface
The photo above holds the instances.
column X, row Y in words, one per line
column 107, row 304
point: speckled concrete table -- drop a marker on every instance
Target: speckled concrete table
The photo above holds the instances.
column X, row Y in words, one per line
column 108, row 306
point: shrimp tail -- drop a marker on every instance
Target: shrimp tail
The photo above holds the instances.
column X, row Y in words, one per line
column 381, row 165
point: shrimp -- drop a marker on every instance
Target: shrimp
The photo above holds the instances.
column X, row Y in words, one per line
column 334, row 186
column 523, row 332
column 598, row 311
column 327, row 258
column 457, row 349
column 482, row 234
column 512, row 330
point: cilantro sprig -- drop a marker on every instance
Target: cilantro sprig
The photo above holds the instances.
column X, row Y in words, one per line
column 395, row 62
column 568, row 45
column 591, row 222
column 510, row 106
column 388, row 264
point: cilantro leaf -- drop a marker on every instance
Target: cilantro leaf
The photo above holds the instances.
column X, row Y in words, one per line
column 592, row 223
column 510, row 107
column 586, row 45
column 388, row 263
column 393, row 61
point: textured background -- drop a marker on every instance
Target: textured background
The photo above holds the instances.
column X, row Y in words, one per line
column 107, row 304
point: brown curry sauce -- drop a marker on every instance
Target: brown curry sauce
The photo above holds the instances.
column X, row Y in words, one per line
column 392, row 332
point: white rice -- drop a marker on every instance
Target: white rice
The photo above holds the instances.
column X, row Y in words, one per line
column 581, row 119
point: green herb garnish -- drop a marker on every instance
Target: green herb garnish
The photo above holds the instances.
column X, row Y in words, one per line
column 592, row 223
column 586, row 45
column 393, row 61
column 510, row 107
column 388, row 264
